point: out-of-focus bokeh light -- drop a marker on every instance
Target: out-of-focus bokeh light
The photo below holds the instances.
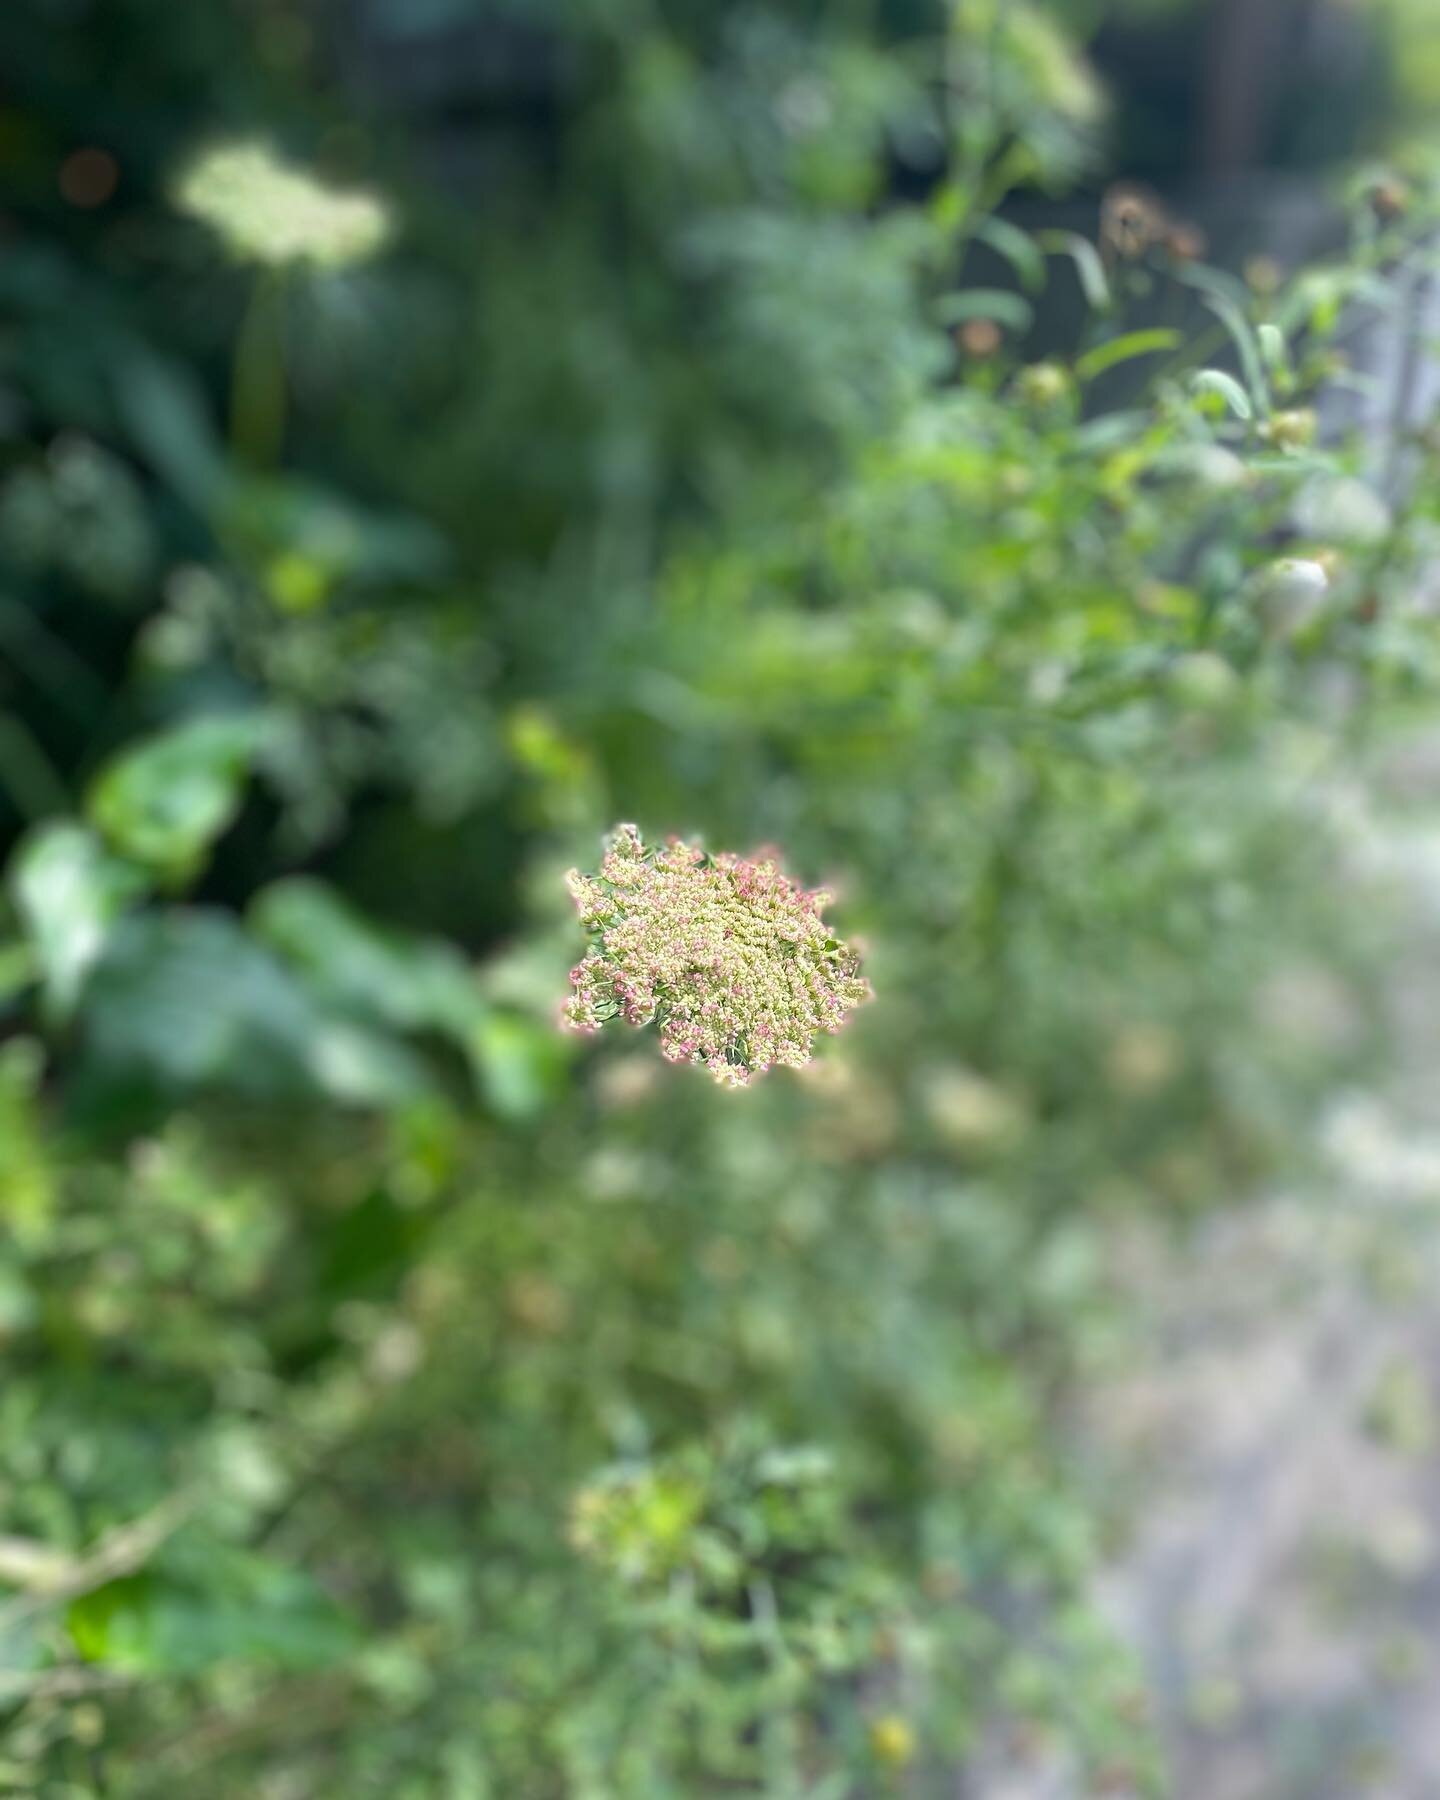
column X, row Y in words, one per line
column 88, row 177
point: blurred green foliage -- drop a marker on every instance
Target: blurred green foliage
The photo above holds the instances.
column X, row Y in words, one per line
column 401, row 1398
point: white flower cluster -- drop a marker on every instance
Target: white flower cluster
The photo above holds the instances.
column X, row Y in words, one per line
column 268, row 211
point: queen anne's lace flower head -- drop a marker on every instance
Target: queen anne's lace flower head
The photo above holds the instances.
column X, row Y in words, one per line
column 268, row 211
column 726, row 954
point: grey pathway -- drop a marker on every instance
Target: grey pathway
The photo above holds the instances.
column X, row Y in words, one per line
column 1282, row 1425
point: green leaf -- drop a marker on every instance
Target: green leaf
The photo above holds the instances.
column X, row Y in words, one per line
column 184, row 1000
column 1271, row 340
column 266, row 1613
column 1088, row 265
column 1243, row 335
column 187, row 1001
column 1227, row 299
column 519, row 1065
column 1216, row 381
column 320, row 525
column 252, row 1609
column 27, row 775
column 1316, row 300
column 18, row 968
column 999, row 304
column 164, row 408
column 23, row 1650
column 949, row 205
column 1018, row 248
column 167, row 799
column 1124, row 349
column 1110, row 430
column 112, row 1624
column 69, row 891
column 366, row 973
column 361, row 1067
column 359, row 967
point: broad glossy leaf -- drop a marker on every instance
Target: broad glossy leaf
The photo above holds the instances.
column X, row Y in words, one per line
column 185, row 1000
column 69, row 891
column 363, row 969
column 165, row 800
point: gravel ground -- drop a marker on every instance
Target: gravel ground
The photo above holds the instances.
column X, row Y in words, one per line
column 1280, row 1430
column 1283, row 1586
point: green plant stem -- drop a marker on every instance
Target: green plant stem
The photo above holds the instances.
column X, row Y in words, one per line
column 257, row 393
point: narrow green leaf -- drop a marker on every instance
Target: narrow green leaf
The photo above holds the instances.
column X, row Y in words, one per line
column 1124, row 349
column 1216, row 381
column 1018, row 248
column 999, row 304
column 163, row 407
column 1088, row 265
column 1225, row 297
column 1243, row 336
column 949, row 204
column 1215, row 281
column 27, row 774
column 1272, row 347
